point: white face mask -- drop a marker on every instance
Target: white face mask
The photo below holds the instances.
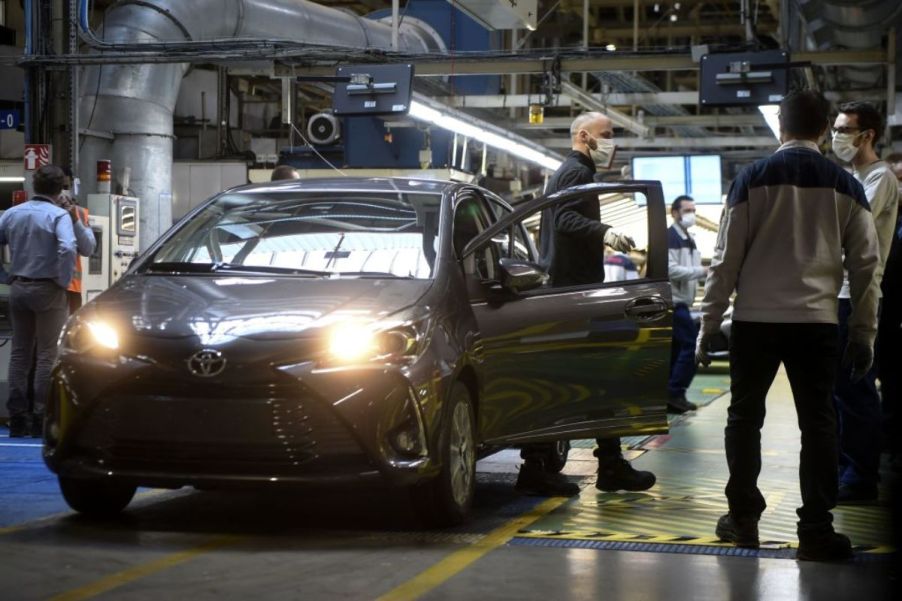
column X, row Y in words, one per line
column 687, row 220
column 603, row 153
column 844, row 147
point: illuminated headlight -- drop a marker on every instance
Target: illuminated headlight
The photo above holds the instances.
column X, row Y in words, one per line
column 350, row 343
column 86, row 335
column 103, row 334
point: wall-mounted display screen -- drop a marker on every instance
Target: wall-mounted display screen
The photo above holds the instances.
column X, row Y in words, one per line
column 697, row 175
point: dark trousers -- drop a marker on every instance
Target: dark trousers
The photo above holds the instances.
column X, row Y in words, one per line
column 73, row 300
column 888, row 350
column 858, row 414
column 682, row 351
column 37, row 311
column 608, row 450
column 809, row 352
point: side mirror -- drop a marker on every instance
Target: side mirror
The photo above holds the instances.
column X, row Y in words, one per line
column 519, row 276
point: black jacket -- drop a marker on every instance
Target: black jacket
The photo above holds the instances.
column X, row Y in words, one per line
column 571, row 237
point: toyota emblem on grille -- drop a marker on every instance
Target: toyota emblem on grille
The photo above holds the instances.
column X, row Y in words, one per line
column 206, row 363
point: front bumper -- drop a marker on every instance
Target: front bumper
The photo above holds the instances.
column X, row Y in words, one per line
column 140, row 422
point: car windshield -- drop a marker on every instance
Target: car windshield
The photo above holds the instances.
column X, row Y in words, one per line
column 309, row 234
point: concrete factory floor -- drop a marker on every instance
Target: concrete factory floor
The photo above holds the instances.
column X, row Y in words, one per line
column 656, row 545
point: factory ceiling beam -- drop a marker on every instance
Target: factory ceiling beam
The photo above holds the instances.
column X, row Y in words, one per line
column 674, row 143
column 589, row 101
column 495, row 101
column 722, row 120
column 431, row 65
column 487, row 101
column 498, row 65
column 684, row 30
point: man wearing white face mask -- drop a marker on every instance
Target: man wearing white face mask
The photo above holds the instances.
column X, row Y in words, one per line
column 572, row 241
column 685, row 270
column 855, row 132
column 572, row 237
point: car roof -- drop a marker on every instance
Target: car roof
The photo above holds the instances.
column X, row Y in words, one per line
column 356, row 184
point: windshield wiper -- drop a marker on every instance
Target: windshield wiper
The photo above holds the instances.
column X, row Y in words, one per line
column 180, row 267
column 269, row 269
column 373, row 274
column 186, row 267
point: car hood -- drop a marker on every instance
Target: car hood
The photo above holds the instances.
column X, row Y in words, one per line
column 217, row 309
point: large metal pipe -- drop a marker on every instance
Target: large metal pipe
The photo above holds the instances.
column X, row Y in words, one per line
column 126, row 110
column 858, row 24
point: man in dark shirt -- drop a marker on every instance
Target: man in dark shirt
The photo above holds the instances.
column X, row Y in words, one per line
column 572, row 240
column 889, row 328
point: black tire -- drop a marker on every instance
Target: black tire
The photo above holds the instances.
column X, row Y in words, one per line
column 556, row 458
column 446, row 500
column 96, row 498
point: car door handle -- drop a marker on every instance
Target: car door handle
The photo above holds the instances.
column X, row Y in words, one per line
column 647, row 308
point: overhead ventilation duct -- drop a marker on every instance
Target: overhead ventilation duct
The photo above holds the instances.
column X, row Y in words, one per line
column 500, row 14
column 854, row 24
column 126, row 110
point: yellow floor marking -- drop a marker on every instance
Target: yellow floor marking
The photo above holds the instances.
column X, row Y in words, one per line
column 38, row 521
column 118, row 579
column 712, row 391
column 432, row 577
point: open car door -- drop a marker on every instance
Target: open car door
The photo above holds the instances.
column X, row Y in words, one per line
column 575, row 361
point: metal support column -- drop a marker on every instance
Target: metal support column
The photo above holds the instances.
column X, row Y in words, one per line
column 890, row 80
column 222, row 115
column 72, row 70
column 395, row 7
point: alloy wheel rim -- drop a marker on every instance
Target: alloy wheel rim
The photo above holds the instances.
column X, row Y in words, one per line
column 462, row 461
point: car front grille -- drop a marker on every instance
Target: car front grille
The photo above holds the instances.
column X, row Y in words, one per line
column 217, row 429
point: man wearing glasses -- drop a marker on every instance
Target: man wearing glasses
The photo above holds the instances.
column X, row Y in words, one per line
column 855, row 133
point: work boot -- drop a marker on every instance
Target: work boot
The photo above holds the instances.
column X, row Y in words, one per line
column 37, row 425
column 742, row 531
column 19, row 425
column 680, row 404
column 824, row 546
column 534, row 480
column 618, row 474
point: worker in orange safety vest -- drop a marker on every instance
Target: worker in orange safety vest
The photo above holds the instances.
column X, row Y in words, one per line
column 84, row 237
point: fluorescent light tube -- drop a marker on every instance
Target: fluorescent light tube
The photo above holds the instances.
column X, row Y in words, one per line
column 770, row 113
column 420, row 111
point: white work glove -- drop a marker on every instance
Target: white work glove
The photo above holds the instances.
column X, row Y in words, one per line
column 701, row 349
column 619, row 242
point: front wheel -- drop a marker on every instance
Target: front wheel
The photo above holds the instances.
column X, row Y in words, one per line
column 446, row 499
column 95, row 497
column 556, row 458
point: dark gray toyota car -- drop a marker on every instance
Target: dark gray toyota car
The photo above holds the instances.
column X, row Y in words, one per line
column 348, row 331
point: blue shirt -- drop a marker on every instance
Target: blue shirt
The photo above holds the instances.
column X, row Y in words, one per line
column 41, row 241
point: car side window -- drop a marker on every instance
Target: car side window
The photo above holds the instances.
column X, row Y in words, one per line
column 626, row 214
column 513, row 242
column 470, row 220
column 571, row 249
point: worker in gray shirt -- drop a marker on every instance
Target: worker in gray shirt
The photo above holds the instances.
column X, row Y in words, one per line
column 788, row 220
column 855, row 132
column 42, row 247
column 685, row 270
